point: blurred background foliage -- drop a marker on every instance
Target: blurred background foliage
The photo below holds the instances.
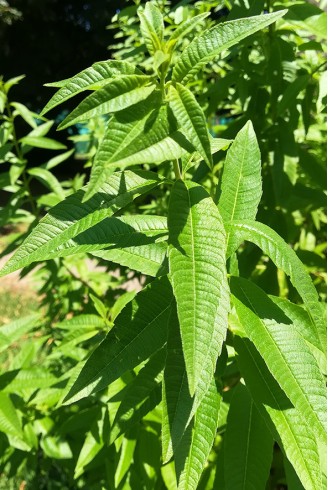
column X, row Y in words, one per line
column 277, row 78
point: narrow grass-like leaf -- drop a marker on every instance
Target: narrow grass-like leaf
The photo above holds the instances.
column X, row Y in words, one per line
column 197, row 442
column 122, row 92
column 71, row 217
column 42, row 142
column 288, row 426
column 191, row 119
column 286, row 259
column 140, row 330
column 213, row 41
column 248, row 444
column 198, row 275
column 241, row 186
column 152, row 27
column 140, row 396
column 285, row 352
column 93, row 77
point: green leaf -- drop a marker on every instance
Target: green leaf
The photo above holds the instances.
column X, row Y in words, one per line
column 241, row 186
column 184, row 28
column 49, row 180
column 290, row 94
column 151, row 26
column 71, row 217
column 27, row 115
column 286, row 259
column 42, row 142
column 219, row 38
column 13, row 331
column 53, row 162
column 248, row 444
column 9, row 420
column 19, row 381
column 121, row 93
column 197, row 442
column 91, row 78
column 198, row 275
column 191, row 120
column 125, row 459
column 288, row 426
column 141, row 395
column 56, row 448
column 286, row 354
column 140, row 330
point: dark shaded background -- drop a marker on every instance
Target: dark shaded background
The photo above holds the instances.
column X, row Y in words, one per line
column 53, row 40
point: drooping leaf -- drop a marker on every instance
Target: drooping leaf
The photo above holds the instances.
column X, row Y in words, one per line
column 140, row 330
column 49, row 180
column 241, row 185
column 286, row 259
column 141, row 395
column 191, row 119
column 248, row 444
column 122, row 92
column 25, row 113
column 288, row 426
column 151, row 26
column 198, row 275
column 198, row 440
column 93, row 77
column 285, row 352
column 213, row 41
column 71, row 217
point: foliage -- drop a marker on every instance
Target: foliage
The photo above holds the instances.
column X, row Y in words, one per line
column 193, row 381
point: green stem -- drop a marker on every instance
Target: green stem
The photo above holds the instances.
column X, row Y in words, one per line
column 177, row 170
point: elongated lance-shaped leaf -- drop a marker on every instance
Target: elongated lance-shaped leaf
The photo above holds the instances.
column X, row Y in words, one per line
column 93, row 77
column 10, row 423
column 285, row 352
column 288, row 426
column 197, row 442
column 71, row 217
column 122, row 130
column 140, row 330
column 152, row 27
column 248, row 444
column 122, row 92
column 178, row 406
column 241, row 186
column 13, row 331
column 212, row 42
column 184, row 28
column 49, row 180
column 141, row 395
column 191, row 119
column 302, row 322
column 198, row 275
column 286, row 259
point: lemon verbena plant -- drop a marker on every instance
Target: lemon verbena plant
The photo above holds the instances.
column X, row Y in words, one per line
column 198, row 331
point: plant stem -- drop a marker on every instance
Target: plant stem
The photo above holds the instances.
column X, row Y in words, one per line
column 177, row 170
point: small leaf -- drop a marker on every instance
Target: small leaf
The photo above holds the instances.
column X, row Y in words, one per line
column 42, row 142
column 191, row 120
column 71, row 217
column 248, row 444
column 121, row 93
column 198, row 275
column 152, row 27
column 286, row 354
column 27, row 115
column 140, row 330
column 213, row 41
column 241, row 186
column 93, row 77
column 184, row 28
column 49, row 180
